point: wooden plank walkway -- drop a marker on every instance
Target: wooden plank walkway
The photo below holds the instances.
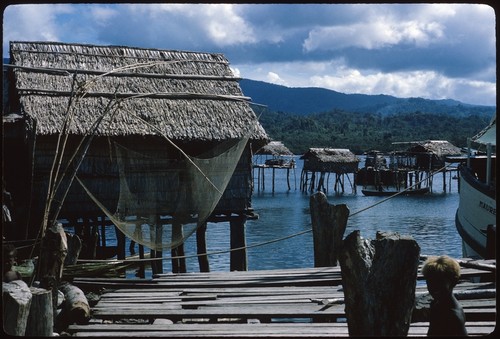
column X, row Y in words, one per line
column 275, row 303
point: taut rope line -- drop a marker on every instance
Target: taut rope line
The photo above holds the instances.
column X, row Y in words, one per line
column 269, row 241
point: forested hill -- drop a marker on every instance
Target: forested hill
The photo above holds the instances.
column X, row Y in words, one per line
column 313, row 117
column 304, row 101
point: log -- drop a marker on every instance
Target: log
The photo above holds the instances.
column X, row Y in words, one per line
column 379, row 281
column 51, row 264
column 75, row 308
column 328, row 223
column 16, row 302
column 41, row 316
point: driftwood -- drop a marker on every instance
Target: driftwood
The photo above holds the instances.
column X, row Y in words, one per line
column 379, row 280
column 16, row 302
column 328, row 224
column 41, row 315
column 75, row 308
column 53, row 253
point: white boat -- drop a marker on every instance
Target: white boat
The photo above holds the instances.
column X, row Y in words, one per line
column 476, row 214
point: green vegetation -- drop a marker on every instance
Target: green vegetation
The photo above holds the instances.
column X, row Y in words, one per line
column 361, row 132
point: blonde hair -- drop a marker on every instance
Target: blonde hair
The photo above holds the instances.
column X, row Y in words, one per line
column 443, row 268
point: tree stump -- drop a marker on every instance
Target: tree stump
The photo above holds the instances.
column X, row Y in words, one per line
column 75, row 308
column 53, row 253
column 328, row 223
column 16, row 304
column 379, row 280
column 41, row 316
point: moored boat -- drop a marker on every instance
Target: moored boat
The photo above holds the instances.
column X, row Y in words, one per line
column 418, row 191
column 476, row 213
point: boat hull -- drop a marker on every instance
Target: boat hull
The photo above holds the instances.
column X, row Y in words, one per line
column 475, row 214
column 420, row 191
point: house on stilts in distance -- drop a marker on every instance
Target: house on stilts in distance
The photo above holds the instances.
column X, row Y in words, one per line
column 409, row 168
column 161, row 142
column 275, row 155
column 321, row 162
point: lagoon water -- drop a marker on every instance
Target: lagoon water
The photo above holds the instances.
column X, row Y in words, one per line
column 429, row 219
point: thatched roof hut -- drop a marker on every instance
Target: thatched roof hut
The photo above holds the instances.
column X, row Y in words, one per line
column 191, row 98
column 183, row 94
column 432, row 153
column 333, row 160
column 275, row 148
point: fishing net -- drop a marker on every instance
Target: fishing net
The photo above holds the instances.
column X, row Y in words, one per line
column 163, row 201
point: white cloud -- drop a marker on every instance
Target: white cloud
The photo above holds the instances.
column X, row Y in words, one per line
column 32, row 22
column 373, row 35
column 220, row 23
column 274, row 78
column 337, row 76
column 101, row 15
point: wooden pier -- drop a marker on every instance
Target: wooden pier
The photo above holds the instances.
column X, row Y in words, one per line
column 266, row 303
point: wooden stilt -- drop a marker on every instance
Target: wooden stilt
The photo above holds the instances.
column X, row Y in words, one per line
column 201, row 247
column 178, row 264
column 238, row 258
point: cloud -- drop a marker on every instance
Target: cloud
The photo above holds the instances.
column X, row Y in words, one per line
column 274, row 78
column 418, row 49
column 32, row 22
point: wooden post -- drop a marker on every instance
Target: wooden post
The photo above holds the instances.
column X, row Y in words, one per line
column 328, row 224
column 379, row 280
column 288, row 178
column 178, row 264
column 201, row 247
column 120, row 244
column 53, row 253
column 41, row 317
column 274, row 176
column 238, row 259
column 16, row 302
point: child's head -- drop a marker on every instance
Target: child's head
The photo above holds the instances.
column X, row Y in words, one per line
column 441, row 273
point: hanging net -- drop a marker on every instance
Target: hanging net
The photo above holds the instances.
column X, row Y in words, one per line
column 163, row 201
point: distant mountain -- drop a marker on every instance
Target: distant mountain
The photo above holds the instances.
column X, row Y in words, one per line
column 305, row 101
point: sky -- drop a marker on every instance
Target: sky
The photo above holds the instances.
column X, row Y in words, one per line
column 433, row 51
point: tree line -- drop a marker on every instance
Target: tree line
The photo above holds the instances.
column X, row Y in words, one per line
column 361, row 132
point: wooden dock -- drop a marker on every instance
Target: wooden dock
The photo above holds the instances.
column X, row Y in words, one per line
column 273, row 303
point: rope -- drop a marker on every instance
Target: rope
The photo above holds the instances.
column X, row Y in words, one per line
column 265, row 242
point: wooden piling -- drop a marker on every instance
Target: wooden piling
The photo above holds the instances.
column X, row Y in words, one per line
column 328, row 224
column 51, row 263
column 41, row 317
column 379, row 280
column 201, row 247
column 238, row 258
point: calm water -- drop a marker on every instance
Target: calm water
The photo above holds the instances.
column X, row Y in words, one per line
column 429, row 219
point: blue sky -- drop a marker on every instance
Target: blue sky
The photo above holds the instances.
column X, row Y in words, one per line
column 434, row 51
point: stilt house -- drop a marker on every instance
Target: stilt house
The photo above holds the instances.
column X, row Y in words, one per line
column 161, row 103
column 431, row 154
column 328, row 160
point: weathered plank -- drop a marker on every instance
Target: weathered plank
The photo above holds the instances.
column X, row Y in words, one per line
column 198, row 307
column 250, row 330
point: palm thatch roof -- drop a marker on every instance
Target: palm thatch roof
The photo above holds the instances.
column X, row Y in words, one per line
column 440, row 148
column 181, row 95
column 338, row 160
column 275, row 148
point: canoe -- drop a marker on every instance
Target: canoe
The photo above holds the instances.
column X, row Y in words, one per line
column 419, row 191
